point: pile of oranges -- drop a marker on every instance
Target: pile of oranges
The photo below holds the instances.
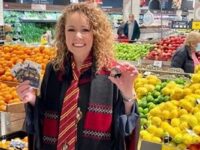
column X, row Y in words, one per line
column 12, row 54
column 8, row 95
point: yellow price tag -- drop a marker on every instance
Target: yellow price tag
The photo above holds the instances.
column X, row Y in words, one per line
column 196, row 25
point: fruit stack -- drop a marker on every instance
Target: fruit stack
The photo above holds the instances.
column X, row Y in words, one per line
column 164, row 49
column 12, row 54
column 176, row 121
column 131, row 51
column 8, row 95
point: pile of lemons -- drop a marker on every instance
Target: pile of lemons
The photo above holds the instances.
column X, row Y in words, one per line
column 178, row 118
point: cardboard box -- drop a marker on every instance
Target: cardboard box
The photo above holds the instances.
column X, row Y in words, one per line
column 15, row 108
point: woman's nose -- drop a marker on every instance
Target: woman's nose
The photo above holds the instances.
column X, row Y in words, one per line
column 78, row 35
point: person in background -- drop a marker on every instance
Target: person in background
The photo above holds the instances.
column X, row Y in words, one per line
column 82, row 105
column 131, row 29
column 185, row 57
column 120, row 30
column 44, row 39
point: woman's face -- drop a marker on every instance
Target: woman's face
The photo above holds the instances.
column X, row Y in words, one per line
column 79, row 36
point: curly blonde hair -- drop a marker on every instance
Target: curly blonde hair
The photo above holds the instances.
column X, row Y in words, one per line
column 102, row 33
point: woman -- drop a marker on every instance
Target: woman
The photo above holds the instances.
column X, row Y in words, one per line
column 185, row 57
column 79, row 79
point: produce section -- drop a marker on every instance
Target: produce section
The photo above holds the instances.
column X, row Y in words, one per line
column 174, row 120
column 12, row 54
column 164, row 49
column 168, row 98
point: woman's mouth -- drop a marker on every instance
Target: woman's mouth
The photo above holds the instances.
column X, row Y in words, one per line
column 78, row 45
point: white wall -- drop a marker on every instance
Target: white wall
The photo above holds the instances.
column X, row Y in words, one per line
column 1, row 12
column 127, row 9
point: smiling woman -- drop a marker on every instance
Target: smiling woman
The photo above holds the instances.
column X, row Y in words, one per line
column 81, row 104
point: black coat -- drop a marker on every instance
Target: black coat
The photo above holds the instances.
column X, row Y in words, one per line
column 182, row 59
column 136, row 30
column 52, row 89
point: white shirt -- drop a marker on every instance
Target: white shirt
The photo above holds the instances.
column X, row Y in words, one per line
column 130, row 29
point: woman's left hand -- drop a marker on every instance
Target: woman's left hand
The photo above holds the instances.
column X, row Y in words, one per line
column 125, row 81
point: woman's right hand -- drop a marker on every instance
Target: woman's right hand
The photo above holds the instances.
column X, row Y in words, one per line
column 26, row 93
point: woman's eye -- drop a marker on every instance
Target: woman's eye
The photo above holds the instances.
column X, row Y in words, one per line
column 70, row 30
column 86, row 30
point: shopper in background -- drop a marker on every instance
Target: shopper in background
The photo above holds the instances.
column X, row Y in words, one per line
column 131, row 29
column 79, row 78
column 185, row 57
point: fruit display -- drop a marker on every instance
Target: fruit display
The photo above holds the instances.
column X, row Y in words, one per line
column 13, row 144
column 165, row 48
column 12, row 54
column 8, row 95
column 131, row 51
column 174, row 121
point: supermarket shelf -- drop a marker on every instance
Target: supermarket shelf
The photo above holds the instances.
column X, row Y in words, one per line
column 37, row 20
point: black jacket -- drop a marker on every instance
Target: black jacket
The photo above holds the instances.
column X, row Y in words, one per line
column 182, row 59
column 123, row 124
column 136, row 30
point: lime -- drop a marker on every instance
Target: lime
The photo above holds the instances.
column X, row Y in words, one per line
column 150, row 98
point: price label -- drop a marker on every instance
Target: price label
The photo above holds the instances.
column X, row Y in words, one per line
column 146, row 73
column 38, row 7
column 157, row 63
column 198, row 101
column 196, row 25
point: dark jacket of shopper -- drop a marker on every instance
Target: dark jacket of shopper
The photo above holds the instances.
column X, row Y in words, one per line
column 182, row 59
column 125, row 128
column 136, row 30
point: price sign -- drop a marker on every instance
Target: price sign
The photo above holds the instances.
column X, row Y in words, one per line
column 157, row 63
column 196, row 25
column 38, row 7
column 145, row 145
column 146, row 73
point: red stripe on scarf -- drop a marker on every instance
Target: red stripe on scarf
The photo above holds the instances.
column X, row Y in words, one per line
column 102, row 122
column 52, row 128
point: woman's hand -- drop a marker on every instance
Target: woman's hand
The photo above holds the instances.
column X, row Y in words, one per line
column 125, row 81
column 26, row 93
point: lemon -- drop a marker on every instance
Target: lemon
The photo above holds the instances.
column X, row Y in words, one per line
column 175, row 122
column 183, row 125
column 165, row 125
column 196, row 129
column 147, row 137
column 141, row 91
column 196, row 78
column 197, row 115
column 181, row 146
column 187, row 91
column 182, row 112
column 187, row 139
column 152, row 129
column 156, row 139
column 144, row 133
column 193, row 121
column 166, row 114
column 149, row 87
column 166, row 91
column 156, row 121
column 178, row 138
column 174, row 113
column 159, row 132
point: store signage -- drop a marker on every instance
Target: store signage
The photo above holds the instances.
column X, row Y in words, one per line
column 179, row 25
column 157, row 63
column 38, row 7
column 196, row 25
